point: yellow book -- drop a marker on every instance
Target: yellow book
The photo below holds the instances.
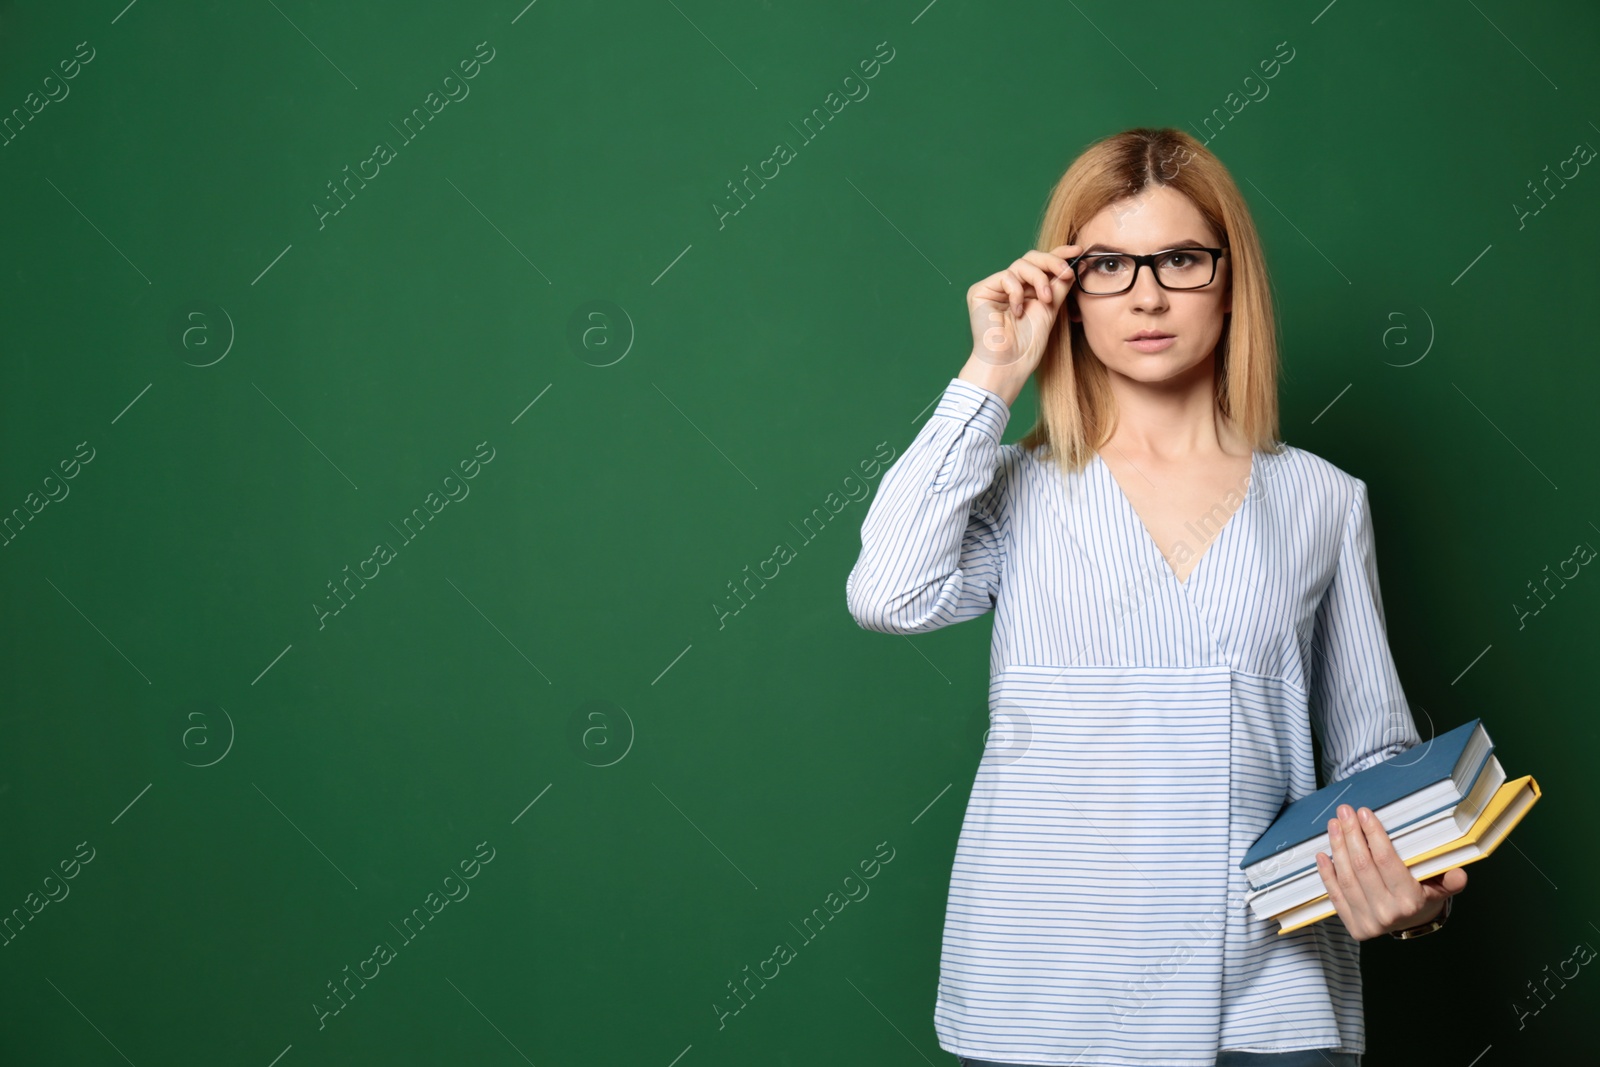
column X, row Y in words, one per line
column 1511, row 802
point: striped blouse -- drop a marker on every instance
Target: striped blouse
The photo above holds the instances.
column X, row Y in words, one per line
column 1143, row 733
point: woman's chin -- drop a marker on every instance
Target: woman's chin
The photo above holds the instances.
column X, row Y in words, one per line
column 1156, row 368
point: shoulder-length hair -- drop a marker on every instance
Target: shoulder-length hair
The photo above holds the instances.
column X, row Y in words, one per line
column 1077, row 412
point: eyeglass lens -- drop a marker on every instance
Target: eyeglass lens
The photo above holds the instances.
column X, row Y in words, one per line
column 1181, row 268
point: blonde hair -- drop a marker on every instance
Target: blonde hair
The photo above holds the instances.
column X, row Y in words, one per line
column 1077, row 412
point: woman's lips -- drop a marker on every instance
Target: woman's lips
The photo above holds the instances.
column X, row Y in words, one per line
column 1153, row 344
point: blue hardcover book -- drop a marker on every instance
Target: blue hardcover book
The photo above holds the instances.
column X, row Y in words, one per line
column 1420, row 782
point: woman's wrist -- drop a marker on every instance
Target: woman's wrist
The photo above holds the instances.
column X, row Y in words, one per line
column 1426, row 925
column 996, row 379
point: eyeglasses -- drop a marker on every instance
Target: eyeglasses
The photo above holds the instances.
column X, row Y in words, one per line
column 1109, row 273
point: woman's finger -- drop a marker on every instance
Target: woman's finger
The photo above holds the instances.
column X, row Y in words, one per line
column 1036, row 276
column 1059, row 274
column 1055, row 262
column 1386, row 861
column 1013, row 288
column 1330, row 880
column 1364, row 868
column 1350, row 885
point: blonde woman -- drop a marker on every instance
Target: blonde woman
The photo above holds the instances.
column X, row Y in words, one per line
column 1182, row 601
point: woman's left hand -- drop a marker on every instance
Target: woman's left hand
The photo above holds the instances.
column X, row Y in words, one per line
column 1370, row 886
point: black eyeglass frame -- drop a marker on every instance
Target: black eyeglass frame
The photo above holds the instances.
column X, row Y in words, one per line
column 1150, row 261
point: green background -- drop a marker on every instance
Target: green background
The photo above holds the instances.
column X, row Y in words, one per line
column 552, row 669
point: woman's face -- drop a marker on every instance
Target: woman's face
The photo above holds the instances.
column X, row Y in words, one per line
column 1155, row 220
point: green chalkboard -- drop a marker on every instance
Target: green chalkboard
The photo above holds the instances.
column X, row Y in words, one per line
column 398, row 398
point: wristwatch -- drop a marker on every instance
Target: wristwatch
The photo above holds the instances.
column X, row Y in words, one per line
column 1425, row 928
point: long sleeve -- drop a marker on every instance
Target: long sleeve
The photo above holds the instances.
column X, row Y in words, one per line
column 1357, row 704
column 933, row 540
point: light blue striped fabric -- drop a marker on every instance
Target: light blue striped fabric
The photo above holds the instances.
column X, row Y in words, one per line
column 1144, row 732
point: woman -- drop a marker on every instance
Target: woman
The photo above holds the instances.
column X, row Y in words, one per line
column 1180, row 601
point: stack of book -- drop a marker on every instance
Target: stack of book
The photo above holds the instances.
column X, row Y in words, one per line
column 1443, row 803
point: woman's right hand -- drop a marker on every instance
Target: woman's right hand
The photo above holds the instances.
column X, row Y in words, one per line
column 1013, row 310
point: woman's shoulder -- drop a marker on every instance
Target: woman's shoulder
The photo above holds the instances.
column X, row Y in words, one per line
column 1297, row 480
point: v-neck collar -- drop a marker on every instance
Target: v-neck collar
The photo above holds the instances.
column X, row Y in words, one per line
column 1132, row 513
